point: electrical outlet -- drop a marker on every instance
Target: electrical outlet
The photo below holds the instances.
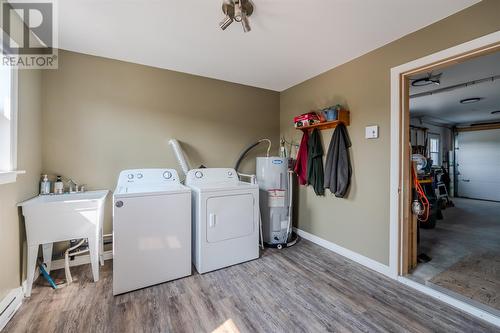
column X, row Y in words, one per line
column 371, row 132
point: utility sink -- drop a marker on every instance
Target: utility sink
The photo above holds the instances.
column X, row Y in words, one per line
column 54, row 218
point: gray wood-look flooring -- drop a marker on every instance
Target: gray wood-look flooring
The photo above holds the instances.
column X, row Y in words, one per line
column 304, row 288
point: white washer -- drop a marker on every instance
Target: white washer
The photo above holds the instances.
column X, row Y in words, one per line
column 225, row 218
column 151, row 229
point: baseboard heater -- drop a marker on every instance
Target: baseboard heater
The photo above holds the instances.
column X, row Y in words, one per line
column 9, row 306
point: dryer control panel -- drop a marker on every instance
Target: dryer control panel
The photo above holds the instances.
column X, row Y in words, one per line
column 145, row 177
column 212, row 175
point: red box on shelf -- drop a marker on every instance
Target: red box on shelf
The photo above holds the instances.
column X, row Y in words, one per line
column 306, row 119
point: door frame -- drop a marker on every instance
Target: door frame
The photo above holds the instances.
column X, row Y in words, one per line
column 400, row 183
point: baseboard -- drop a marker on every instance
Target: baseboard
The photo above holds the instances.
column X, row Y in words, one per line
column 360, row 259
column 78, row 260
column 35, row 277
column 451, row 300
column 383, row 269
column 9, row 305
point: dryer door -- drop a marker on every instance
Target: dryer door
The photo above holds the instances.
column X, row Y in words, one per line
column 230, row 216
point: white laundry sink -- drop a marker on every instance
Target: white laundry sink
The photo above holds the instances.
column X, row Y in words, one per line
column 54, row 218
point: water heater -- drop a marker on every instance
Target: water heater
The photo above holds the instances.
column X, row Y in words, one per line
column 274, row 182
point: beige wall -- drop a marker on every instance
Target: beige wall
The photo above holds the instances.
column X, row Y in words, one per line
column 12, row 239
column 361, row 222
column 101, row 116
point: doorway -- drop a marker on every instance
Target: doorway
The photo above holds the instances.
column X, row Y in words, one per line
column 455, row 152
column 435, row 139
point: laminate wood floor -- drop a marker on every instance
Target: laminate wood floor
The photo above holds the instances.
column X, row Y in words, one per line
column 304, row 288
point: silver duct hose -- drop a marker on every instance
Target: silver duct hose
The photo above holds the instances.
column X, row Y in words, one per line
column 179, row 155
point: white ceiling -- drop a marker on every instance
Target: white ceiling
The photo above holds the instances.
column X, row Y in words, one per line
column 290, row 41
column 445, row 107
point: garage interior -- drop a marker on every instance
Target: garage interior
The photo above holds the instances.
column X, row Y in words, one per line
column 455, row 138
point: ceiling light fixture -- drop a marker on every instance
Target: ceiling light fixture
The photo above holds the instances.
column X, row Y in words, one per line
column 244, row 23
column 470, row 100
column 236, row 10
column 425, row 81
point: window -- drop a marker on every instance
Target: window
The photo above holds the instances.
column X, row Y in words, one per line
column 8, row 124
column 434, row 149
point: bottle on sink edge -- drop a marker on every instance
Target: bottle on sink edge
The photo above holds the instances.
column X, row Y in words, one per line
column 44, row 185
column 59, row 185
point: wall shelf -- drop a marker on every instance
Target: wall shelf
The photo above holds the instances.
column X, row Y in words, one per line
column 344, row 117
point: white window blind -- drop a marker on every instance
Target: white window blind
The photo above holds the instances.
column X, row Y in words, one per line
column 8, row 124
column 434, row 149
column 6, row 121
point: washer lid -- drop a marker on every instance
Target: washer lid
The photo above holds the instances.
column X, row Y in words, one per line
column 138, row 191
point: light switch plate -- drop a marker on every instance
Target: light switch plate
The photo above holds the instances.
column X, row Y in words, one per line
column 371, row 132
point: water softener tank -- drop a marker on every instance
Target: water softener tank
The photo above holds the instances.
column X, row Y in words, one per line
column 272, row 177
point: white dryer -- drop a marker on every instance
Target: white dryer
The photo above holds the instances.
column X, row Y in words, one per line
column 225, row 218
column 151, row 229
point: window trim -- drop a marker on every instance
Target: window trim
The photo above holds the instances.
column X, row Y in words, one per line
column 7, row 177
column 436, row 136
column 10, row 176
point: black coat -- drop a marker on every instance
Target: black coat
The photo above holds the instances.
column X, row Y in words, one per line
column 338, row 164
column 315, row 175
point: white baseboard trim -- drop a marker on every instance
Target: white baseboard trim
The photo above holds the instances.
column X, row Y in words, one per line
column 79, row 260
column 9, row 305
column 466, row 307
column 360, row 259
column 383, row 269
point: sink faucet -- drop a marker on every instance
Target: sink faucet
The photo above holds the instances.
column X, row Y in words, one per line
column 73, row 187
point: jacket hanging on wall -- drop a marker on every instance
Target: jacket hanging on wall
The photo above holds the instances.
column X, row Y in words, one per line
column 315, row 175
column 338, row 164
column 301, row 164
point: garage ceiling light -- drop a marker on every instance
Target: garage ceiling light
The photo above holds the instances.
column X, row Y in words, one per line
column 425, row 81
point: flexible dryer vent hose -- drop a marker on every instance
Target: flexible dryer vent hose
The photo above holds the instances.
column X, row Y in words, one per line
column 69, row 278
column 179, row 154
column 243, row 154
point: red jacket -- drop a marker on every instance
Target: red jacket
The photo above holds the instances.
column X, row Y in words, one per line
column 301, row 164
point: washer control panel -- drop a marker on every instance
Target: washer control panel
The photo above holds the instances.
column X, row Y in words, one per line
column 144, row 177
column 211, row 175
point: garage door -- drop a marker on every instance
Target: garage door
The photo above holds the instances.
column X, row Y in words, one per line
column 478, row 164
